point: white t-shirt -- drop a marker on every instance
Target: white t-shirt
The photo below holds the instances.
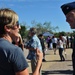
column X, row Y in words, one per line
column 60, row 44
column 54, row 40
column 64, row 39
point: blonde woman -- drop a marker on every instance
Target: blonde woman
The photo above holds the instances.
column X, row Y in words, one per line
column 18, row 41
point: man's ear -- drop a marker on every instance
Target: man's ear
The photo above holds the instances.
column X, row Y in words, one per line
column 7, row 29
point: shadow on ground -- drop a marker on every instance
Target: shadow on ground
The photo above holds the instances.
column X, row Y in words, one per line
column 57, row 61
column 66, row 72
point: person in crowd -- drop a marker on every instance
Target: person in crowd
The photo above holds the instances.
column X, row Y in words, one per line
column 54, row 41
column 18, row 41
column 12, row 59
column 64, row 44
column 71, row 41
column 48, row 41
column 69, row 11
column 61, row 48
column 32, row 44
column 68, row 40
column 41, row 37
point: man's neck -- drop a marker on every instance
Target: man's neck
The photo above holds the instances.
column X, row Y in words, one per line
column 8, row 38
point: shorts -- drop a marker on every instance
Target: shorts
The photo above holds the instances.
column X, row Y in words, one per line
column 54, row 45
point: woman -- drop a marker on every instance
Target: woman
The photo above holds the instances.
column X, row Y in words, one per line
column 60, row 44
column 18, row 41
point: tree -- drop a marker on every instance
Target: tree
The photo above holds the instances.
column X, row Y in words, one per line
column 41, row 28
column 45, row 27
column 23, row 30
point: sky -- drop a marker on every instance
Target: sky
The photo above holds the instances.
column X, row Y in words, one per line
column 39, row 10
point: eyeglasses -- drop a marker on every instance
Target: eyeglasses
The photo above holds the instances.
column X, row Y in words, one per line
column 17, row 25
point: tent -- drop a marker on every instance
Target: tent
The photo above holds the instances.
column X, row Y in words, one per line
column 47, row 34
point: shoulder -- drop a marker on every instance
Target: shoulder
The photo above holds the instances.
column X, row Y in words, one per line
column 35, row 38
column 8, row 47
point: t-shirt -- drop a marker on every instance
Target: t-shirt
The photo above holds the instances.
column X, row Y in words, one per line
column 64, row 40
column 12, row 59
column 54, row 40
column 60, row 44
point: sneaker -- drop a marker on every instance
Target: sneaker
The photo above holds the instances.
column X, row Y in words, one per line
column 63, row 59
column 43, row 60
column 54, row 53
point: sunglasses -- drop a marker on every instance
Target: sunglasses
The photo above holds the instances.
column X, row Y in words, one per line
column 17, row 25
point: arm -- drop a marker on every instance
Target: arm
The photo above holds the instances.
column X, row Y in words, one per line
column 39, row 62
column 24, row 72
column 31, row 45
column 20, row 64
column 29, row 48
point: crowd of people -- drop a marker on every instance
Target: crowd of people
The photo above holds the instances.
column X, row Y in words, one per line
column 52, row 42
column 12, row 59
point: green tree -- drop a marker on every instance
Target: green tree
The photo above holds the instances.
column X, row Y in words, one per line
column 45, row 27
column 23, row 30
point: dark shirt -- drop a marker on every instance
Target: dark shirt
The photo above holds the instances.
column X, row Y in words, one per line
column 12, row 59
column 73, row 54
column 42, row 43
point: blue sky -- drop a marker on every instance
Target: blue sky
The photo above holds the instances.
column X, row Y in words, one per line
column 40, row 11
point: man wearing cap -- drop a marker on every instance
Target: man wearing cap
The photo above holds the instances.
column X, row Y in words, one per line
column 69, row 11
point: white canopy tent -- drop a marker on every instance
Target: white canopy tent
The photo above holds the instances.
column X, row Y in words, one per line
column 47, row 34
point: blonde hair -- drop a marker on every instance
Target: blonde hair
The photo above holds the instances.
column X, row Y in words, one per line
column 7, row 17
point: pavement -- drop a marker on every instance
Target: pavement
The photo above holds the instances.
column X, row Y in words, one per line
column 53, row 65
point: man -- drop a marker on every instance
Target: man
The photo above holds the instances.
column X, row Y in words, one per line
column 41, row 37
column 54, row 41
column 12, row 60
column 69, row 11
column 64, row 44
column 33, row 43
